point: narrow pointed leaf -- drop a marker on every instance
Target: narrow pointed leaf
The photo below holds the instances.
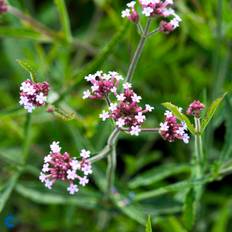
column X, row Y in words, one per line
column 148, row 225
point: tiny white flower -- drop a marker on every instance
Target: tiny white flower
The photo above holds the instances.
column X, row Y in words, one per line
column 167, row 12
column 135, row 130
column 75, row 164
column 131, row 4
column 94, row 87
column 113, row 107
column 120, row 122
column 104, row 115
column 85, row 154
column 114, row 90
column 83, row 181
column 125, row 13
column 72, row 189
column 149, row 108
column 86, row 94
column 147, row 11
column 98, row 73
column 120, row 97
column 90, row 77
column 48, row 183
column 55, row 148
column 140, row 117
column 186, row 138
column 184, row 125
column 136, row 98
column 168, row 114
column 127, row 85
column 23, row 100
column 87, row 169
column 164, row 126
column 180, row 131
column 42, row 177
column 47, row 158
column 29, row 107
column 71, row 174
column 45, row 167
column 41, row 98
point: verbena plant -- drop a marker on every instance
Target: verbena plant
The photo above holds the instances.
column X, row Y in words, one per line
column 127, row 117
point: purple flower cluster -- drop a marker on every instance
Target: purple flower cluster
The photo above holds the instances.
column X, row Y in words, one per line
column 125, row 111
column 3, row 6
column 154, row 8
column 33, row 94
column 58, row 166
column 102, row 84
column 195, row 108
column 171, row 130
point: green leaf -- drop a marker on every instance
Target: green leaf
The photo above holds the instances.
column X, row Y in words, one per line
column 22, row 34
column 5, row 194
column 85, row 199
column 189, row 209
column 158, row 174
column 64, row 19
column 26, row 65
column 148, row 225
column 175, row 110
column 210, row 112
column 171, row 224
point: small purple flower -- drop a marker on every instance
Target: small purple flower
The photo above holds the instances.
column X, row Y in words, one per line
column 33, row 94
column 195, row 108
column 130, row 12
column 3, row 6
column 171, row 130
column 102, row 84
column 58, row 166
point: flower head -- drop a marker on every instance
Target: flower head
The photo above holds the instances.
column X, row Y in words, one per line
column 130, row 12
column 58, row 166
column 33, row 94
column 3, row 6
column 171, row 130
column 195, row 108
column 102, row 84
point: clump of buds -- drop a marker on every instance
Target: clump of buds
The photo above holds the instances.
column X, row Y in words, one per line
column 126, row 112
column 33, row 94
column 3, row 6
column 155, row 8
column 171, row 130
column 195, row 108
column 102, row 84
column 58, row 166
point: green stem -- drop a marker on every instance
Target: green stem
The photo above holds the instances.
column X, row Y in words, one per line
column 33, row 23
column 199, row 156
column 138, row 52
column 26, row 137
column 111, row 167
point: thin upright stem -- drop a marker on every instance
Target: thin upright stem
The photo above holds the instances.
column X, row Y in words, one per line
column 111, row 167
column 26, row 137
column 199, row 157
column 138, row 52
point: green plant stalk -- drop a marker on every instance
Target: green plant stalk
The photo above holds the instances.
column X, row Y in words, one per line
column 138, row 52
column 26, row 137
column 199, row 157
column 110, row 175
column 34, row 23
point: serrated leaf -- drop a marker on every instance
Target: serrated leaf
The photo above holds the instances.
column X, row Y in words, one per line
column 210, row 112
column 28, row 67
column 158, row 174
column 189, row 209
column 175, row 110
column 148, row 225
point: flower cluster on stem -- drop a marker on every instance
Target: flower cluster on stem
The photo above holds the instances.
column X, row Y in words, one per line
column 125, row 110
column 58, row 166
column 3, row 6
column 162, row 9
column 33, row 94
column 195, row 108
column 171, row 130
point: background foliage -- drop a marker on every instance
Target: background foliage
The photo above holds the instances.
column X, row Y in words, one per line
column 194, row 62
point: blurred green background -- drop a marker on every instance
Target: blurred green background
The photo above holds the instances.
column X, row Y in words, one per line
column 194, row 62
